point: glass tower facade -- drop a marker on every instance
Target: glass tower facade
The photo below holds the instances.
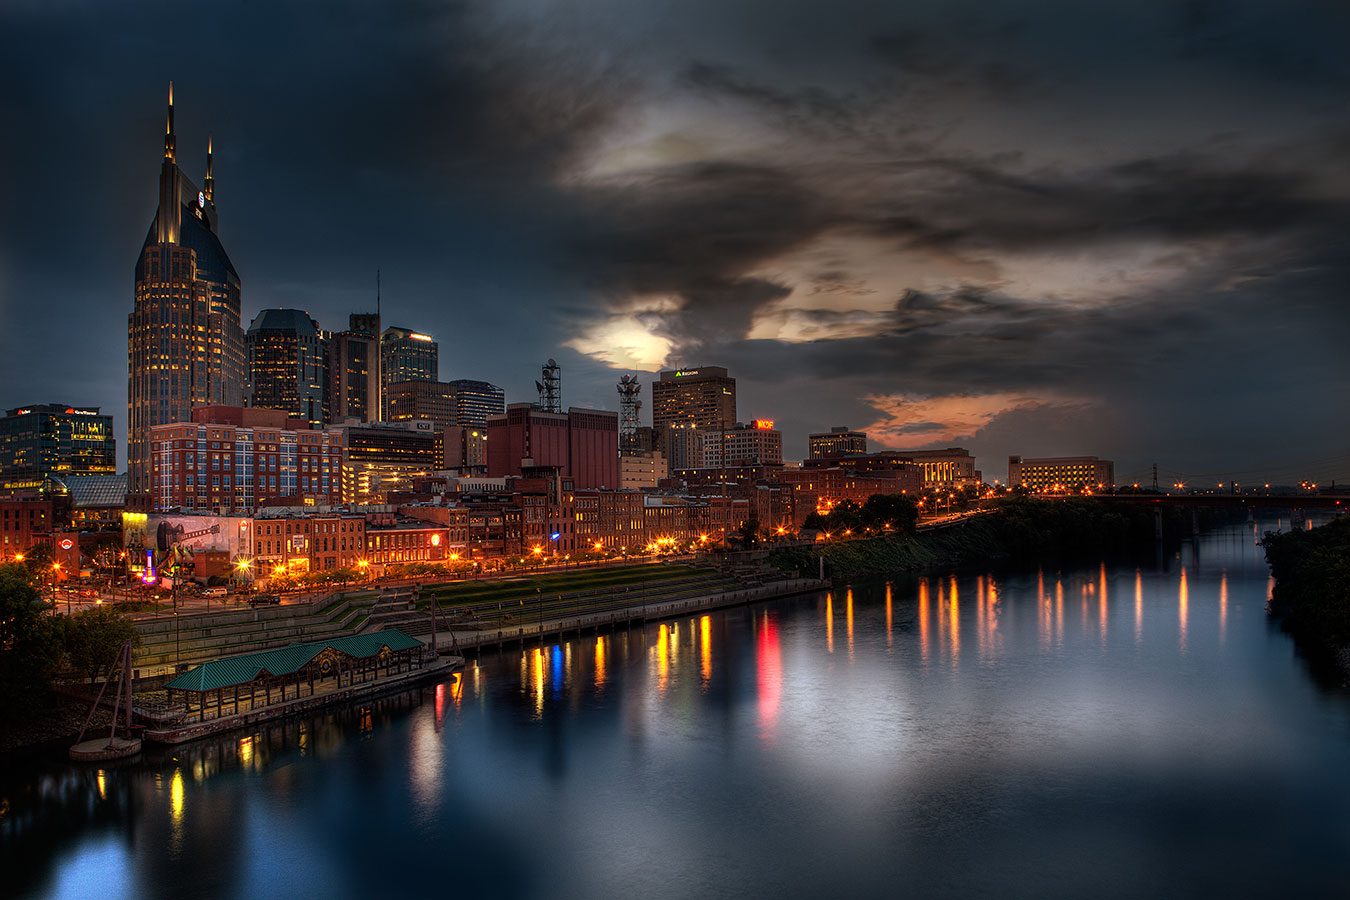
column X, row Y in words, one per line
column 286, row 364
column 404, row 356
column 185, row 345
column 54, row 440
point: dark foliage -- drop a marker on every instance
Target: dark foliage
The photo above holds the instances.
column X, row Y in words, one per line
column 30, row 646
column 1312, row 580
column 1022, row 531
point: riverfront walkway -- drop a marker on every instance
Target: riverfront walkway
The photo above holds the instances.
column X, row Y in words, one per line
column 460, row 638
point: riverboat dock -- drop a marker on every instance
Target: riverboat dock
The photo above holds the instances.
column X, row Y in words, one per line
column 241, row 691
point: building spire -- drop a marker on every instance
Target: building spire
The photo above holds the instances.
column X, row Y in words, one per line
column 168, row 129
column 209, row 185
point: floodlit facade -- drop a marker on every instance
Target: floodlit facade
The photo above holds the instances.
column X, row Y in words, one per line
column 755, row 444
column 185, row 344
column 1069, row 473
column 235, row 459
column 54, row 440
column 405, row 355
column 839, row 441
column 704, row 398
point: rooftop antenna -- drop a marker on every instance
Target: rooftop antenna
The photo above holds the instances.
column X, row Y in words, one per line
column 209, row 186
column 629, row 404
column 550, row 392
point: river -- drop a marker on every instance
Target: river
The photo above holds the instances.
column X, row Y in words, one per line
column 1105, row 730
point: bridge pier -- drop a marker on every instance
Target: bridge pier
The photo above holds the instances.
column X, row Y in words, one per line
column 1157, row 524
column 1195, row 521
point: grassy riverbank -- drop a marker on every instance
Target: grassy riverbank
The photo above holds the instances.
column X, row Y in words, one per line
column 1312, row 586
column 1020, row 532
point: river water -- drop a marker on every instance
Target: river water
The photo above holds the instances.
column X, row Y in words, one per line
column 1105, row 731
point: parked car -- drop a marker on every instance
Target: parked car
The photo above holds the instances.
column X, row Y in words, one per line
column 264, row 600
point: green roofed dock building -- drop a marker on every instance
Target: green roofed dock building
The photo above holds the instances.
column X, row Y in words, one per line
column 251, row 687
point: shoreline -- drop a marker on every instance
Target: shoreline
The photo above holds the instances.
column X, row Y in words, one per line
column 1311, row 598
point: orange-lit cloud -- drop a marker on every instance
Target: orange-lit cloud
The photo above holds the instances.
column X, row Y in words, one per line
column 910, row 421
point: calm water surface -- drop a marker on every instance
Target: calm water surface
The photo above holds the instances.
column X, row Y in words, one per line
column 1105, row 731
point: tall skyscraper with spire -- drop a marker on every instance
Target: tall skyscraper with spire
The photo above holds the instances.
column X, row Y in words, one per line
column 185, row 343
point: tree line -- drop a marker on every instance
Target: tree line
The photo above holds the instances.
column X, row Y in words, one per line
column 36, row 645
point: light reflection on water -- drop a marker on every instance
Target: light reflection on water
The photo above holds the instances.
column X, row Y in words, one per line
column 1158, row 737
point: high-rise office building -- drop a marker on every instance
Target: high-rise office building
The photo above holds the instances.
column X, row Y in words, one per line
column 430, row 400
column 354, row 370
column 468, row 403
column 404, row 356
column 476, row 401
column 384, row 457
column 286, row 365
column 755, row 444
column 704, row 398
column 54, row 440
column 838, row 441
column 185, row 345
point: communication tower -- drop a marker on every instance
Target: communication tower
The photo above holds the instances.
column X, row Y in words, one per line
column 629, row 404
column 550, row 391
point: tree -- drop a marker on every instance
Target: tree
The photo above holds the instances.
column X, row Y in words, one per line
column 896, row 510
column 38, row 558
column 749, row 531
column 94, row 637
column 30, row 646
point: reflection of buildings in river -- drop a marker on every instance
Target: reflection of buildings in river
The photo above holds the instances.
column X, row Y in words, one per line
column 599, row 675
column 769, row 675
column 829, row 621
column 1059, row 613
column 924, row 612
column 1044, row 613
column 662, row 651
column 848, row 619
column 889, row 616
column 705, row 652
column 954, row 614
column 1138, row 607
column 44, row 816
column 1183, row 602
column 1101, row 601
column 1223, row 607
column 426, row 755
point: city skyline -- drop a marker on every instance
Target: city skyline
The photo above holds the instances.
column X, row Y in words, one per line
column 1023, row 234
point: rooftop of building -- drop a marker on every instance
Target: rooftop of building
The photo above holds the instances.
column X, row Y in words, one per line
column 57, row 408
column 296, row 320
column 694, row 374
column 235, row 670
column 96, row 491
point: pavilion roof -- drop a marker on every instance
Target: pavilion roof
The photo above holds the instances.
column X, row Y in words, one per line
column 229, row 671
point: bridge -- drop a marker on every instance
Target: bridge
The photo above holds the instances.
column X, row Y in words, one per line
column 1268, row 501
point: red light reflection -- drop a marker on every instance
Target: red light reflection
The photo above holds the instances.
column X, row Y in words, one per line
column 769, row 669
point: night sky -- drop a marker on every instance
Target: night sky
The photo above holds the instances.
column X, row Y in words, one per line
column 1039, row 228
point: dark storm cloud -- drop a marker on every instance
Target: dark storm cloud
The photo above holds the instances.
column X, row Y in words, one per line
column 1100, row 205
